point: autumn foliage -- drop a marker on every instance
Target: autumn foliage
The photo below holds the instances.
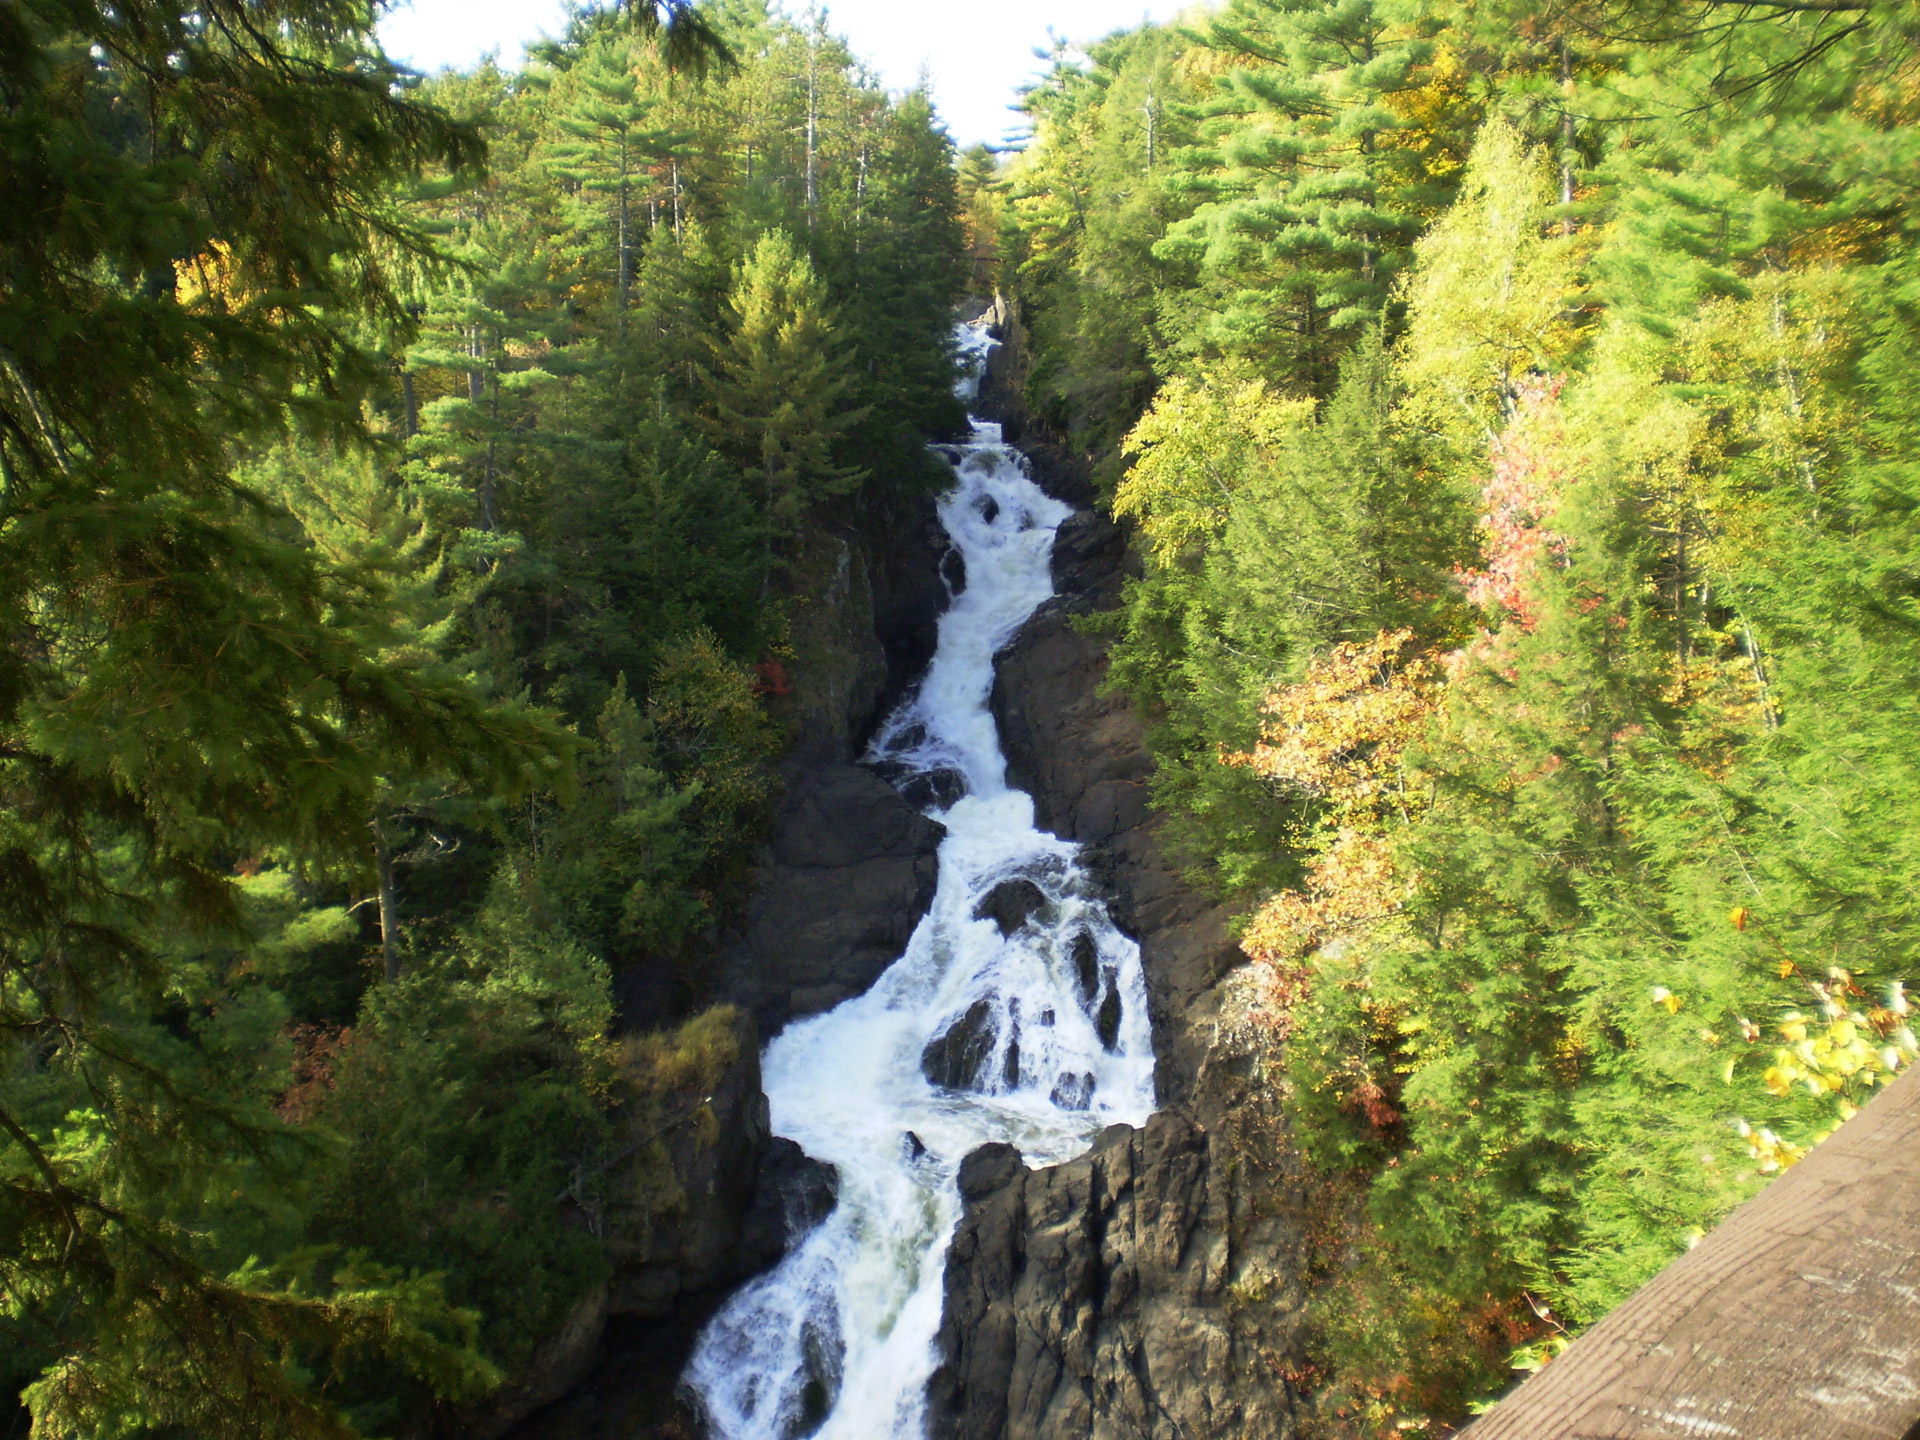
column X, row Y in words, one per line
column 1338, row 737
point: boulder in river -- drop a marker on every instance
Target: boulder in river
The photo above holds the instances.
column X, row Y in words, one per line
column 795, row 1192
column 1011, row 903
column 1106, row 1021
column 1085, row 956
column 958, row 1059
column 953, row 570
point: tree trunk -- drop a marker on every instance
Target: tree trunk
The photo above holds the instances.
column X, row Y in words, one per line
column 813, row 115
column 412, row 403
column 1566, row 136
column 389, row 906
column 626, row 242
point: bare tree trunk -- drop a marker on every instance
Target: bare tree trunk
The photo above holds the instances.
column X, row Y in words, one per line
column 476, row 377
column 626, row 237
column 486, row 474
column 1681, row 649
column 389, row 906
column 412, row 404
column 1566, row 137
column 813, row 114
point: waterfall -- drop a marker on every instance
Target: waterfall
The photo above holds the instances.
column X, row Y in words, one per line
column 1018, row 1013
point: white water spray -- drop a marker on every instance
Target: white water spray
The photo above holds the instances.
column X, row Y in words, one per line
column 1031, row 1018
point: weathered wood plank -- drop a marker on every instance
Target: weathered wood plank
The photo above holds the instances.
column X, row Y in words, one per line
column 1797, row 1318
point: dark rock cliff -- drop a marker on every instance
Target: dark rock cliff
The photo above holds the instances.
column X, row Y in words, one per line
column 1155, row 1286
column 847, row 870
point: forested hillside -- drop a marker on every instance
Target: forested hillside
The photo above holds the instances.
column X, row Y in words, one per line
column 398, row 488
column 1516, row 406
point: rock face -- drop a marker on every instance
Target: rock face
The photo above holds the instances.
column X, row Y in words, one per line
column 676, row 1227
column 848, row 874
column 1092, row 1299
column 1155, row 1286
column 850, row 865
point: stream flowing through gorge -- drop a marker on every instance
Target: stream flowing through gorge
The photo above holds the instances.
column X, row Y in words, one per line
column 1018, row 1013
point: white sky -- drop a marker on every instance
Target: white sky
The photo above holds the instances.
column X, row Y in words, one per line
column 975, row 51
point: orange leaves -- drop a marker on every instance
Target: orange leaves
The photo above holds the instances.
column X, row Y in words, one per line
column 1351, row 883
column 1339, row 734
column 1529, row 477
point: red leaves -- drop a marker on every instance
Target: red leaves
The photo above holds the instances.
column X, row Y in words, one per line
column 1529, row 476
column 771, row 678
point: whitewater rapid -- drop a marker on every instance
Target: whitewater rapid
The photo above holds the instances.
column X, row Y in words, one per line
column 1040, row 1036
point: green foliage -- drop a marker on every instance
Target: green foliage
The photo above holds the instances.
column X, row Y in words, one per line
column 1275, row 532
column 777, row 383
column 1633, row 934
column 1309, row 197
column 351, row 500
column 463, row 1096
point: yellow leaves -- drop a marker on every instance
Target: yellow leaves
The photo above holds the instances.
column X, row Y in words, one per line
column 1339, row 736
column 1767, row 1148
column 1488, row 299
column 210, row 280
column 1737, row 917
column 1351, row 883
column 1665, row 997
column 1197, row 444
column 1845, row 1054
column 1340, row 733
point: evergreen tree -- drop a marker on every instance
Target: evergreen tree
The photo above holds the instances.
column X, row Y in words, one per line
column 777, row 380
column 183, row 684
column 1312, row 198
column 605, row 147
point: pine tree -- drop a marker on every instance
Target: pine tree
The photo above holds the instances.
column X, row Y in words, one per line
column 1311, row 203
column 776, row 382
column 183, row 683
column 606, row 147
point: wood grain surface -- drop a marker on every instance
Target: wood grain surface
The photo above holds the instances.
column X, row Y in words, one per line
column 1797, row 1318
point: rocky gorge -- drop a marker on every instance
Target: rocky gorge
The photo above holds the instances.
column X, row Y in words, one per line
column 1152, row 1287
column 1155, row 1286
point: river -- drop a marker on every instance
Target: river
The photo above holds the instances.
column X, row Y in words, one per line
column 1017, row 1013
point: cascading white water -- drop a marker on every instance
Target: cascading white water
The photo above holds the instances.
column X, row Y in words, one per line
column 1038, row 1036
